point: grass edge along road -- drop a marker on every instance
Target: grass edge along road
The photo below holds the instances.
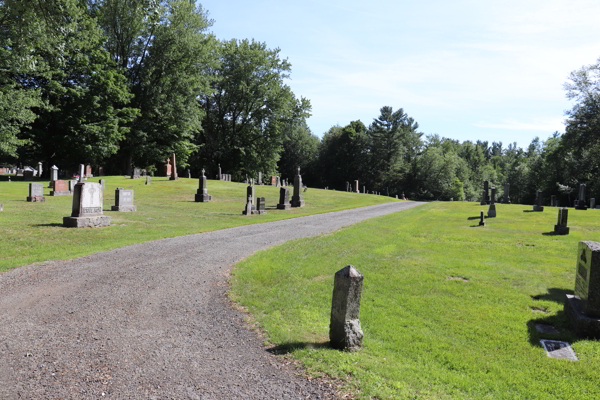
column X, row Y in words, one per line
column 448, row 309
column 33, row 232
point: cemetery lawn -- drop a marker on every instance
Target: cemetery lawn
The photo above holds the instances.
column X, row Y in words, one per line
column 449, row 309
column 34, row 232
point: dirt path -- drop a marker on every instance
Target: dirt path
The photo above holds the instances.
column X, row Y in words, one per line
column 150, row 321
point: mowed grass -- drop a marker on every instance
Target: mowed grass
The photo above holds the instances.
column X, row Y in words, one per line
column 33, row 232
column 448, row 308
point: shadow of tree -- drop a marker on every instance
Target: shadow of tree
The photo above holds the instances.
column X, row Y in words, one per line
column 287, row 348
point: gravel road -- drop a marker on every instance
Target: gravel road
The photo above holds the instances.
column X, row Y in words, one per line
column 150, row 321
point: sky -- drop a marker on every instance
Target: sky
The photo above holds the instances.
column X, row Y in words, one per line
column 466, row 70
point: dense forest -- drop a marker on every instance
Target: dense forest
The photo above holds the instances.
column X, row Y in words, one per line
column 125, row 83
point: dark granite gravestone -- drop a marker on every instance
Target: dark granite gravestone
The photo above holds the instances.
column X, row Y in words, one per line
column 492, row 207
column 124, row 200
column 538, row 202
column 36, row 192
column 583, row 308
column 174, row 176
column 481, row 220
column 88, row 200
column 506, row 195
column 347, row 186
column 168, row 167
column 344, row 329
column 251, row 196
column 284, row 203
column 260, row 206
column 60, row 188
column 581, row 201
column 593, row 202
column 561, row 227
column 27, row 175
column 202, row 192
column 100, row 171
column 486, row 191
column 553, row 200
column 298, row 198
column 136, row 173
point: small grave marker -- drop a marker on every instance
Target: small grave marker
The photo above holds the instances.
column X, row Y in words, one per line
column 284, row 203
column 481, row 219
column 124, row 200
column 558, row 349
column 36, row 192
column 136, row 173
column 561, row 227
column 538, row 202
column 148, row 180
column 344, row 330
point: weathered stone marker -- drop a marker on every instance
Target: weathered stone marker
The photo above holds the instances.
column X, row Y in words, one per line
column 561, row 227
column 88, row 200
column 364, row 189
column 538, row 202
column 72, row 185
column 344, row 330
column 61, row 188
column 1, row 206
column 174, row 176
column 506, row 196
column 54, row 173
column 284, row 202
column 347, row 186
column 251, row 196
column 202, row 192
column 148, row 180
column 298, row 198
column 248, row 209
column 260, row 206
column 136, row 173
column 581, row 201
column 553, row 200
column 583, row 308
column 123, row 200
column 102, row 182
column 481, row 220
column 492, row 207
column 219, row 172
column 593, row 202
column 36, row 192
column 356, row 187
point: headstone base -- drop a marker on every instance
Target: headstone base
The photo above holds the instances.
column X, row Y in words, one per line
column 481, row 223
column 201, row 198
column 173, row 179
column 297, row 203
column 61, row 193
column 561, row 230
column 284, row 206
column 538, row 208
column 86, row 222
column 583, row 325
column 492, row 211
column 36, row 199
column 123, row 208
column 581, row 207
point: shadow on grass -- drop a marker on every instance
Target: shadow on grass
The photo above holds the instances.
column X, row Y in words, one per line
column 528, row 211
column 287, row 348
column 472, row 218
column 552, row 233
column 53, row 224
column 477, row 226
column 562, row 329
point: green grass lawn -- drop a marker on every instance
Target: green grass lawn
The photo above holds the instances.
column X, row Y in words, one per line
column 33, row 232
column 448, row 308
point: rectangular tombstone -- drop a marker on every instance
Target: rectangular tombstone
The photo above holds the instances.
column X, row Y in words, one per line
column 61, row 188
column 100, row 171
column 553, row 200
column 167, row 168
column 593, row 202
column 1, row 206
column 273, row 180
column 561, row 227
column 364, row 189
column 136, row 173
column 538, row 202
column 344, row 329
column 356, row 187
column 284, row 203
column 587, row 277
column 581, row 200
column 486, row 191
column 124, row 200
column 36, row 192
column 260, row 206
column 148, row 180
column 506, row 195
column 88, row 200
column 298, row 198
column 27, row 175
column 260, row 180
column 88, row 171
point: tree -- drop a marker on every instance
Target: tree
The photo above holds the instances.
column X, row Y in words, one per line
column 249, row 109
column 300, row 149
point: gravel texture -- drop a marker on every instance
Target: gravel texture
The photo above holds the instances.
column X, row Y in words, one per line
column 150, row 321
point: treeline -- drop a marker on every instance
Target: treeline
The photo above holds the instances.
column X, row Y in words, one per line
column 125, row 83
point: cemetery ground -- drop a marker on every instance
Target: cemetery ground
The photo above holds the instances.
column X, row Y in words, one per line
column 449, row 309
column 33, row 232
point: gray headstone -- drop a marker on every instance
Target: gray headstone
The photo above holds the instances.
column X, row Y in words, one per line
column 538, row 202
column 148, row 180
column 219, row 173
column 344, row 330
column 561, row 227
column 81, row 173
column 39, row 170
column 356, row 187
column 506, row 195
column 284, row 203
column 559, row 349
column 101, row 182
column 587, row 277
column 364, row 189
column 124, row 200
column 298, row 198
column 136, row 173
column 202, row 192
column 593, row 202
column 36, row 192
column 88, row 199
column 54, row 173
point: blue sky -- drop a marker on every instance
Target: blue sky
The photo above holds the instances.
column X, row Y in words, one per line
column 463, row 69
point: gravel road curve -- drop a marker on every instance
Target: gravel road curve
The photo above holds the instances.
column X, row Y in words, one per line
column 150, row 321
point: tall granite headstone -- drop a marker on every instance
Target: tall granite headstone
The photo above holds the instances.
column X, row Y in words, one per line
column 202, row 192
column 492, row 207
column 553, row 200
column 506, row 196
column 36, row 192
column 174, row 175
column 81, row 173
column 356, row 187
column 561, row 227
column 538, row 202
column 583, row 308
column 581, row 201
column 260, row 206
column 219, row 173
column 284, row 203
column 486, row 190
column 298, row 198
column 344, row 329
column 88, row 200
